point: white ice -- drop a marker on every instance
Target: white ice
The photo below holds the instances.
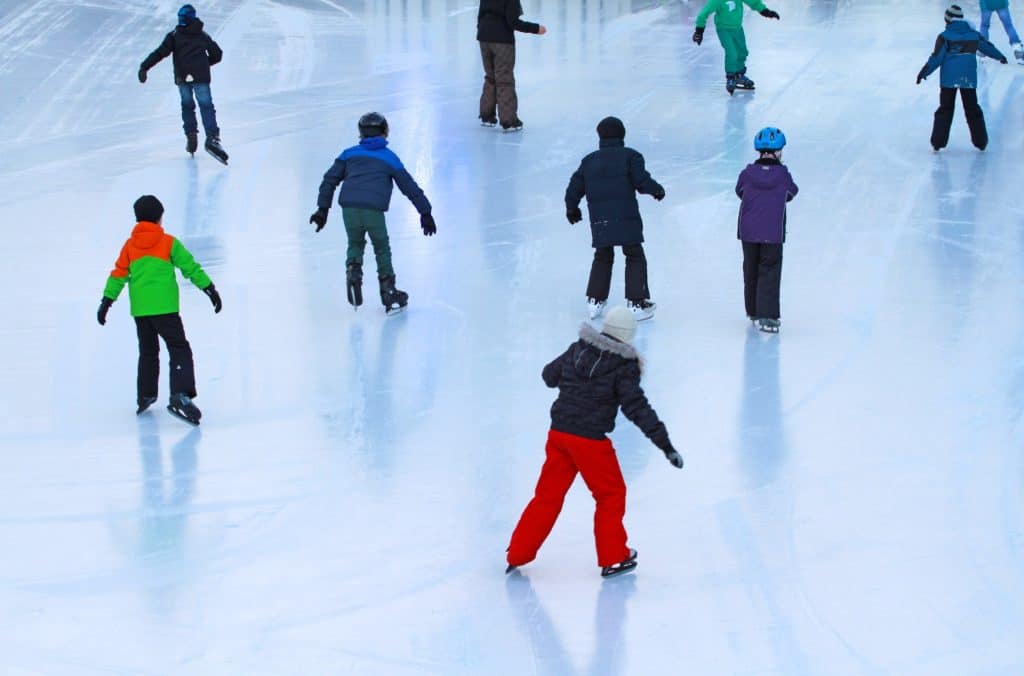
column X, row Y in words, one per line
column 852, row 498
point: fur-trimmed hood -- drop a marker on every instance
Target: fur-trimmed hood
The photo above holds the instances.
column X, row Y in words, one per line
column 605, row 343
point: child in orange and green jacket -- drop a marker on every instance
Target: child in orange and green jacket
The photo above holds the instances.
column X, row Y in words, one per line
column 146, row 264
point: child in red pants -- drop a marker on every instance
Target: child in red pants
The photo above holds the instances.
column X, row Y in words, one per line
column 597, row 374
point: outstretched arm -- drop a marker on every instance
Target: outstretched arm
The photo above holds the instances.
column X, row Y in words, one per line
column 641, row 178
column 638, row 410
column 989, row 50
column 935, row 60
column 118, row 276
column 160, row 53
column 332, row 179
column 183, row 260
column 411, row 189
column 576, row 189
column 513, row 15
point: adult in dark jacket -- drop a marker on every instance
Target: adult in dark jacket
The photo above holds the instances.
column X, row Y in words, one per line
column 597, row 375
column 366, row 173
column 956, row 51
column 765, row 187
column 609, row 178
column 496, row 26
column 192, row 54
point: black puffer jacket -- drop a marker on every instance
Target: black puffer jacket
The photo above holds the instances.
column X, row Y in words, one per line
column 498, row 21
column 595, row 376
column 194, row 52
column 610, row 178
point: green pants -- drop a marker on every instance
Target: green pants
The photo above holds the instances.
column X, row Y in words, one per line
column 362, row 222
column 734, row 42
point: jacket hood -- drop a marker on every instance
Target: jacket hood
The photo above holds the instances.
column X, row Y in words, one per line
column 193, row 27
column 612, row 143
column 597, row 354
column 959, row 26
column 373, row 143
column 765, row 174
column 146, row 235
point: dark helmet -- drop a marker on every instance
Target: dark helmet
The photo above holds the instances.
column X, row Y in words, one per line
column 372, row 124
column 186, row 14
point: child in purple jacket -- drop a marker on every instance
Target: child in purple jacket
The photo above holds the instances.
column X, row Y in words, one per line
column 764, row 188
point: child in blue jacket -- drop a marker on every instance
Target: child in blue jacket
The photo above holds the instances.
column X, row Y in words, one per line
column 955, row 52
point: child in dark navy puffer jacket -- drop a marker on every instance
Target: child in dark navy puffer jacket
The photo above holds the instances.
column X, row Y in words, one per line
column 369, row 170
column 764, row 188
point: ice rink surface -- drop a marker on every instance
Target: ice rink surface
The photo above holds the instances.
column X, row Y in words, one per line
column 852, row 498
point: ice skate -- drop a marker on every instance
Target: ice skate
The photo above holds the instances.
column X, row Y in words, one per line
column 624, row 566
column 354, row 282
column 181, row 406
column 769, row 325
column 1018, row 52
column 744, row 82
column 394, row 300
column 595, row 308
column 642, row 309
column 511, row 569
column 730, row 83
column 191, row 143
column 144, row 404
column 216, row 150
column 515, row 125
column 488, row 122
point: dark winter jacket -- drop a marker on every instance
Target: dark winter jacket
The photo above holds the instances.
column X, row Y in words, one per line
column 610, row 178
column 956, row 51
column 594, row 377
column 498, row 20
column 368, row 171
column 764, row 186
column 194, row 52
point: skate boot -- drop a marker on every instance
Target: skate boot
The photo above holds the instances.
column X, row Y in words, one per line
column 643, row 309
column 624, row 566
column 511, row 568
column 488, row 122
column 191, row 143
column 354, row 281
column 216, row 150
column 769, row 325
column 595, row 308
column 393, row 299
column 742, row 81
column 1018, row 52
column 730, row 83
column 181, row 406
column 144, row 404
column 514, row 125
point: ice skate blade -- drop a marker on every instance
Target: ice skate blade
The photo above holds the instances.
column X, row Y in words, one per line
column 392, row 311
column 180, row 416
column 222, row 160
column 615, row 571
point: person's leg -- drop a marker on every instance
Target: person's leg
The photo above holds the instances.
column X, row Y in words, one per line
column 727, row 38
column 943, row 117
column 600, row 470
column 377, row 229
column 986, row 21
column 599, row 285
column 183, row 374
column 356, row 232
column 209, row 114
column 489, row 95
column 1011, row 32
column 741, row 51
column 505, row 81
column 975, row 118
column 769, row 281
column 751, row 257
column 539, row 517
column 636, row 272
column 188, row 109
column 147, row 386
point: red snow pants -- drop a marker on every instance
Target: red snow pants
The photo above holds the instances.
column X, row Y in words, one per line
column 568, row 454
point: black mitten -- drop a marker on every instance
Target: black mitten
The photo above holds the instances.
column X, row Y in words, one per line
column 573, row 215
column 320, row 218
column 698, row 35
column 142, row 75
column 659, row 194
column 101, row 314
column 211, row 292
column 428, row 225
column 672, row 455
column 769, row 13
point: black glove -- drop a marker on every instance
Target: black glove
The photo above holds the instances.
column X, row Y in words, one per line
column 698, row 35
column 101, row 314
column 1003, row 61
column 211, row 291
column 672, row 455
column 142, row 75
column 659, row 194
column 428, row 225
column 573, row 215
column 921, row 76
column 769, row 13
column 320, row 218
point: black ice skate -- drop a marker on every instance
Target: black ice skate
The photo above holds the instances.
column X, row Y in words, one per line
column 514, row 125
column 216, row 150
column 744, row 82
column 394, row 300
column 181, row 406
column 624, row 566
column 144, row 404
column 769, row 325
column 488, row 122
column 354, row 280
column 191, row 143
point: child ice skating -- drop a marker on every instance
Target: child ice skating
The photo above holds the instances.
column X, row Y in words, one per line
column 955, row 53
column 597, row 374
column 729, row 26
column 192, row 53
column 496, row 26
column 369, row 170
column 764, row 188
column 610, row 177
column 1001, row 8
column 146, row 264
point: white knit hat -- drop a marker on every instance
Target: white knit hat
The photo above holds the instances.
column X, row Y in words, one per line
column 620, row 323
column 954, row 13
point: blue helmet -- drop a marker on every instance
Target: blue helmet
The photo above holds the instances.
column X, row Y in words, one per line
column 186, row 14
column 769, row 139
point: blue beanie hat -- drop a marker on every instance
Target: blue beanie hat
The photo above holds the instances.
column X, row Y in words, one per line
column 186, row 14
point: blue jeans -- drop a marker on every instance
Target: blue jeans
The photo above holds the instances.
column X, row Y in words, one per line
column 1004, row 16
column 188, row 108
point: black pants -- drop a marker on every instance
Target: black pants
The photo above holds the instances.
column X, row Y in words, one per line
column 170, row 328
column 944, row 117
column 600, row 282
column 762, row 278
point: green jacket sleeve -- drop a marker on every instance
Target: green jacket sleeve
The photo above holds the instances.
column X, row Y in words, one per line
column 183, row 260
column 756, row 5
column 710, row 8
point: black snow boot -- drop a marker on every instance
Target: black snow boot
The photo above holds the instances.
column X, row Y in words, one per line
column 181, row 405
column 354, row 280
column 191, row 143
column 215, row 149
column 393, row 299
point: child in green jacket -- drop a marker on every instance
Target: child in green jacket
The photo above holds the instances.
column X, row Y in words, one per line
column 146, row 264
column 729, row 26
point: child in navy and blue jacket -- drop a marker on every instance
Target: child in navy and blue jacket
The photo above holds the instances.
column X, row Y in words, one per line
column 955, row 52
column 369, row 170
